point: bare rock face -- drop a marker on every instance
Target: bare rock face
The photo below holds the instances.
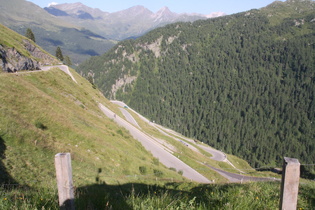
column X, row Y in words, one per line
column 11, row 60
column 37, row 53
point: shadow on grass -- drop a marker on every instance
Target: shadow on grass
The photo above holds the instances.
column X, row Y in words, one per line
column 183, row 195
column 103, row 196
column 5, row 178
column 171, row 195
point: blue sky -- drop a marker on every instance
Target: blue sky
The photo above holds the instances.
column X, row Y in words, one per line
column 178, row 6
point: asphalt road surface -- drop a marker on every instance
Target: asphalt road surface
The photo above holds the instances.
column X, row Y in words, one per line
column 216, row 154
column 129, row 117
column 63, row 68
column 156, row 149
column 232, row 177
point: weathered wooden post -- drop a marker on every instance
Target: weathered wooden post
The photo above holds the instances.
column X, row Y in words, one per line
column 289, row 184
column 64, row 181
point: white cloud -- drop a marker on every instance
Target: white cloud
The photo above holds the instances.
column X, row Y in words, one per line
column 215, row 14
column 52, row 4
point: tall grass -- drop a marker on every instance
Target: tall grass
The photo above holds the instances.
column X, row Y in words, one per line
column 22, row 197
column 168, row 196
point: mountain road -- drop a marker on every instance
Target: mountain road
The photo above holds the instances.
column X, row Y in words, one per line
column 63, row 68
column 216, row 154
column 156, row 149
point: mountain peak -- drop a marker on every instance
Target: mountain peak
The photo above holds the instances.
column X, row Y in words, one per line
column 164, row 9
column 134, row 11
column 164, row 14
column 78, row 10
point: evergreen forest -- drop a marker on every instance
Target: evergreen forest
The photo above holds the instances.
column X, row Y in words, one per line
column 243, row 83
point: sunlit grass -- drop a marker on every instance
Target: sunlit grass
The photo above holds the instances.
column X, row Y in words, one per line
column 47, row 113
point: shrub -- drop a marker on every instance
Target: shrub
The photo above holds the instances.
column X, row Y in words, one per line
column 156, row 161
column 143, row 170
column 181, row 172
column 173, row 169
column 40, row 125
column 120, row 132
column 157, row 173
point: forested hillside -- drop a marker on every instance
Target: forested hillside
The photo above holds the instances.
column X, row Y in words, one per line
column 242, row 83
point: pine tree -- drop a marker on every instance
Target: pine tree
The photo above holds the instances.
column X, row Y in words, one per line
column 68, row 61
column 29, row 34
column 59, row 54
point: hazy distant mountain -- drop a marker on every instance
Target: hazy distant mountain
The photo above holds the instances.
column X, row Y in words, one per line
column 61, row 25
column 51, row 32
column 76, row 10
column 131, row 22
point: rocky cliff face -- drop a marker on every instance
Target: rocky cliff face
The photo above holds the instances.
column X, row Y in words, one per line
column 12, row 61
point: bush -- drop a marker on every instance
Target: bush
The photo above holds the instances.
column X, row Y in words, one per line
column 120, row 132
column 156, row 161
column 40, row 125
column 158, row 173
column 143, row 170
column 181, row 172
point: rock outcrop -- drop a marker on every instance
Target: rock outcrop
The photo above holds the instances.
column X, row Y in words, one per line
column 12, row 60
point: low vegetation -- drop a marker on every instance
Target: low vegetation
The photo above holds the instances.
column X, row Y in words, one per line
column 167, row 196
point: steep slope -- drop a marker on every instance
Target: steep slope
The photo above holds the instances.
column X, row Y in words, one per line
column 243, row 83
column 131, row 22
column 51, row 32
column 19, row 53
column 45, row 112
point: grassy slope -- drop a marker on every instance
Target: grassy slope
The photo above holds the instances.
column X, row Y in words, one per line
column 45, row 113
column 10, row 39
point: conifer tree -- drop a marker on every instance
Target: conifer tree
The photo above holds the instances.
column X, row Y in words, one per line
column 29, row 34
column 59, row 54
column 68, row 61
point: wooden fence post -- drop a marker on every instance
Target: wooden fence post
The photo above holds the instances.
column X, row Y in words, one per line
column 289, row 184
column 64, row 181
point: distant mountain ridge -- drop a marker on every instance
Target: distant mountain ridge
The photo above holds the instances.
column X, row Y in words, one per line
column 131, row 22
column 50, row 31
